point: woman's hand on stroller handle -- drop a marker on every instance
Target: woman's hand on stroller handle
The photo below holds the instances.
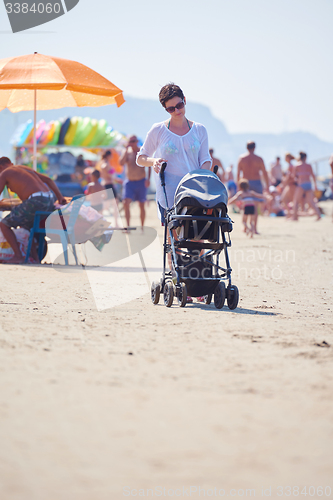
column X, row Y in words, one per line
column 158, row 163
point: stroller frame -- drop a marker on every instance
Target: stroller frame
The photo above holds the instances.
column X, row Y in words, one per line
column 199, row 256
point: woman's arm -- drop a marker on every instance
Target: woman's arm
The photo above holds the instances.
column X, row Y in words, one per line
column 206, row 165
column 205, row 160
column 146, row 161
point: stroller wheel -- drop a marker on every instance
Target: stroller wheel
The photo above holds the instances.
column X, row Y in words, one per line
column 219, row 295
column 182, row 295
column 232, row 296
column 155, row 292
column 168, row 293
column 208, row 298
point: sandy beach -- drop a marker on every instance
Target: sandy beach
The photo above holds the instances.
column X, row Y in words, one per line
column 101, row 403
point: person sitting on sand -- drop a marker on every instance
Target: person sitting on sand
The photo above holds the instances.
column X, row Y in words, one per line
column 249, row 201
column 273, row 204
column 95, row 187
column 304, row 174
column 37, row 192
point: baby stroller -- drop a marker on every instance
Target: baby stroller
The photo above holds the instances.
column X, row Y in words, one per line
column 199, row 230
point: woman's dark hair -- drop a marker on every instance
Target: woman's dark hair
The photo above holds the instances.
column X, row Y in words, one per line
column 168, row 92
column 302, row 155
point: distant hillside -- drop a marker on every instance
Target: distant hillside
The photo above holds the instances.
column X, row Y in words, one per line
column 136, row 116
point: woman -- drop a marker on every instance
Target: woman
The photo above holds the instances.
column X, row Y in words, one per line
column 289, row 184
column 304, row 174
column 180, row 142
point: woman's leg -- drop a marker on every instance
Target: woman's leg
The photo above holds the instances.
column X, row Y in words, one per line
column 297, row 198
column 309, row 198
column 286, row 198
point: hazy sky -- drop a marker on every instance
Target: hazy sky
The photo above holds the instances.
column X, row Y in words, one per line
column 260, row 65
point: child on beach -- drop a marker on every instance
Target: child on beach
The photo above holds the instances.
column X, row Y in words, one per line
column 249, row 199
column 94, row 187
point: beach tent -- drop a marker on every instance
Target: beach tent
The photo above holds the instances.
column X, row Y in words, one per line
column 37, row 82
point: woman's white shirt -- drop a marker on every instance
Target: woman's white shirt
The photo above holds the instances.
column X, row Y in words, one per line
column 183, row 154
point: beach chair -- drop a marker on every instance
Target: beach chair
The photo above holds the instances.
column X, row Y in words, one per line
column 38, row 231
column 66, row 233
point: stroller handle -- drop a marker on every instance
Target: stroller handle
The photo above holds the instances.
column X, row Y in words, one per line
column 163, row 167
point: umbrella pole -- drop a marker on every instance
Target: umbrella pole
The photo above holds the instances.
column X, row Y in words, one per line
column 34, row 140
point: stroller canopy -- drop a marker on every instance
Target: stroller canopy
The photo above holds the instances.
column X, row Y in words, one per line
column 201, row 188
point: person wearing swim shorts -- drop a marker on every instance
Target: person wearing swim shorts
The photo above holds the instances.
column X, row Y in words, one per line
column 252, row 167
column 136, row 183
column 303, row 175
column 37, row 192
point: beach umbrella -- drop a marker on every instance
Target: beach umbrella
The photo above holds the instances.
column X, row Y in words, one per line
column 37, row 82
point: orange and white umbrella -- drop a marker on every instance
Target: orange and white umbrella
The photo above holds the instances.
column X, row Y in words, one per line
column 37, row 82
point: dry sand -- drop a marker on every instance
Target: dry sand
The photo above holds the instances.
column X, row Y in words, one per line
column 228, row 400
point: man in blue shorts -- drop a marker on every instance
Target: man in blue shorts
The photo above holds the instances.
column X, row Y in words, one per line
column 252, row 168
column 136, row 183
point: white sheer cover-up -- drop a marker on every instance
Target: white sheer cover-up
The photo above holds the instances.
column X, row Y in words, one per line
column 183, row 153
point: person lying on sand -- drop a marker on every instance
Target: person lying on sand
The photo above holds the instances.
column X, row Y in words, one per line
column 37, row 192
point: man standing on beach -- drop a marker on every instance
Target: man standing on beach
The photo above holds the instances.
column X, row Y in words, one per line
column 252, row 167
column 276, row 172
column 37, row 192
column 136, row 183
column 215, row 161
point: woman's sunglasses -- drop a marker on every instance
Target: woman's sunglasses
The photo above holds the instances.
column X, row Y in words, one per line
column 172, row 109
